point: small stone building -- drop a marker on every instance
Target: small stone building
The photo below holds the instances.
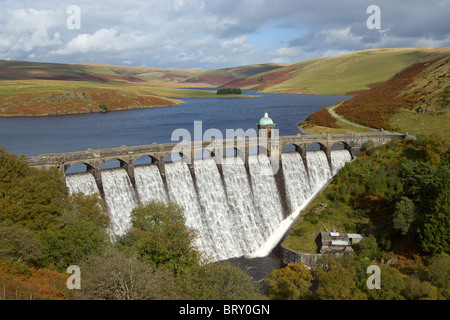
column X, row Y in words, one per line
column 336, row 242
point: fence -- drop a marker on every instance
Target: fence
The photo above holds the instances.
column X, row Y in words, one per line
column 15, row 294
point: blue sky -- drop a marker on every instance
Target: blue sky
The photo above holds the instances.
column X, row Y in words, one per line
column 207, row 34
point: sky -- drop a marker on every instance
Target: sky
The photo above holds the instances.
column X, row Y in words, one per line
column 209, row 34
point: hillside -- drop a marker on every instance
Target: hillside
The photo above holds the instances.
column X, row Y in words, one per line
column 223, row 76
column 350, row 73
column 416, row 100
column 95, row 72
column 38, row 89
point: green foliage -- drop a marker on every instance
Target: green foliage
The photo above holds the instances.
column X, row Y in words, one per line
column 367, row 248
column 28, row 196
column 103, row 107
column 113, row 276
column 404, row 215
column 336, row 280
column 392, row 285
column 229, row 91
column 290, row 283
column 19, row 244
column 217, row 281
column 160, row 237
column 81, row 231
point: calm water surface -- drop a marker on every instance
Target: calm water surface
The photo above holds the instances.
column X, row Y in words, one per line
column 38, row 135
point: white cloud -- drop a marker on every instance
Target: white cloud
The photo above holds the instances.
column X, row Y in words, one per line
column 210, row 34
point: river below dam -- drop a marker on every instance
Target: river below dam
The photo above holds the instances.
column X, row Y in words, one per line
column 240, row 219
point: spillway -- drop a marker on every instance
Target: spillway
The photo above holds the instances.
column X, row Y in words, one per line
column 236, row 208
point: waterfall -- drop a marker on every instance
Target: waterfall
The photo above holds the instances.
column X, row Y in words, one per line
column 149, row 184
column 236, row 211
column 265, row 193
column 338, row 159
column 182, row 191
column 319, row 171
column 82, row 182
column 243, row 217
column 218, row 217
column 296, row 179
column 120, row 198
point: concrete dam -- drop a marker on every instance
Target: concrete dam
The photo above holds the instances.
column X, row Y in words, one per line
column 235, row 212
column 240, row 206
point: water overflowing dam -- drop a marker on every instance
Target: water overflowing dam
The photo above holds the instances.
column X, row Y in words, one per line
column 238, row 209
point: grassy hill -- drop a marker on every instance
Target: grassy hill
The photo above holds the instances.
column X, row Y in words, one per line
column 416, row 100
column 220, row 77
column 95, row 72
column 37, row 89
column 350, row 73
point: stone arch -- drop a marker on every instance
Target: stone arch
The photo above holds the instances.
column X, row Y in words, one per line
column 203, row 154
column 290, row 147
column 317, row 145
column 234, row 152
column 258, row 150
column 138, row 161
column 109, row 161
column 177, row 156
column 77, row 167
column 339, row 145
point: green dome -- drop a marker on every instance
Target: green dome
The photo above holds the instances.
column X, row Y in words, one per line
column 265, row 120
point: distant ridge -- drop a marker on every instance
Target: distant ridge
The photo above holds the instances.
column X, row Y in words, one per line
column 350, row 73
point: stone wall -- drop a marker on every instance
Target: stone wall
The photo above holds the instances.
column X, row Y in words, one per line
column 288, row 256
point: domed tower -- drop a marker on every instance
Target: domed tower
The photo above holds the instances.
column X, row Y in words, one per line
column 267, row 135
column 266, row 127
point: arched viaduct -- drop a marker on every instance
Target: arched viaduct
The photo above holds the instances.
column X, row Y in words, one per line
column 127, row 156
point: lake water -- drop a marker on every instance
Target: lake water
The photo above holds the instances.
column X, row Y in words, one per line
column 38, row 135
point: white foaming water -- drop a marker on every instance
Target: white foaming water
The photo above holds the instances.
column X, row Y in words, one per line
column 182, row 191
column 319, row 171
column 240, row 215
column 338, row 160
column 120, row 198
column 296, row 179
column 217, row 214
column 149, row 184
column 82, row 182
column 269, row 211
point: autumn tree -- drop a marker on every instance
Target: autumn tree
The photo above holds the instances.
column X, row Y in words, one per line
column 404, row 215
column 160, row 237
column 81, row 231
column 217, row 281
column 28, row 196
column 292, row 282
column 114, row 276
column 19, row 244
column 337, row 280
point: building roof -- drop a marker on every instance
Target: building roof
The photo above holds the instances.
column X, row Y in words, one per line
column 265, row 120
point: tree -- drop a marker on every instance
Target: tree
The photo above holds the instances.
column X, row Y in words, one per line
column 336, row 281
column 367, row 247
column 28, row 196
column 392, row 285
column 434, row 234
column 114, row 276
column 439, row 274
column 292, row 282
column 217, row 281
column 19, row 244
column 82, row 231
column 404, row 215
column 160, row 237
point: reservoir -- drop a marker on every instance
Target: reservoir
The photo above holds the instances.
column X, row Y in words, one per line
column 56, row 134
